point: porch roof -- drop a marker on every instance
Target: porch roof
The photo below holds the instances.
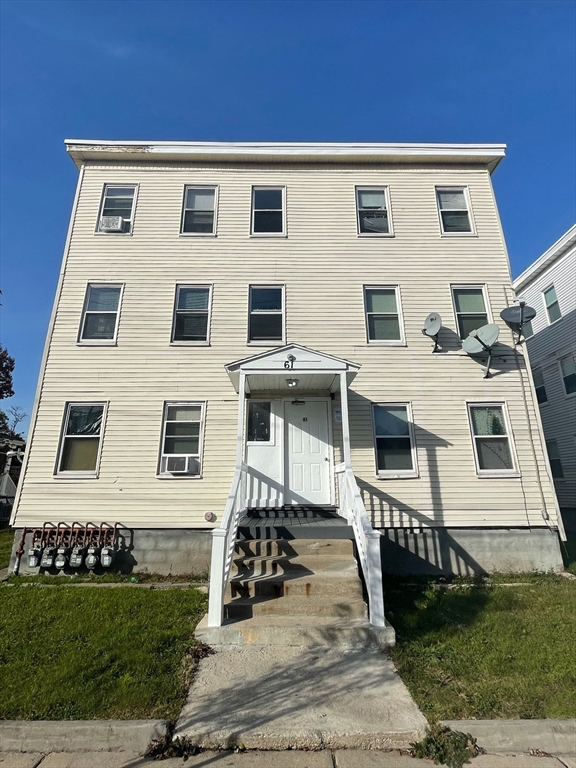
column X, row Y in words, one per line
column 312, row 370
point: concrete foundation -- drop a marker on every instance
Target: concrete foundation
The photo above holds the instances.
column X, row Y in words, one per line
column 469, row 551
column 145, row 550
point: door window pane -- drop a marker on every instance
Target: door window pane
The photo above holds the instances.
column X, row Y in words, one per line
column 259, row 417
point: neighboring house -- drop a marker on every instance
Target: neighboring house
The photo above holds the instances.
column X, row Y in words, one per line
column 549, row 286
column 11, row 455
column 250, row 316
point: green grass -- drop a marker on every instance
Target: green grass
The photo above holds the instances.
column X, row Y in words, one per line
column 490, row 651
column 6, row 542
column 71, row 653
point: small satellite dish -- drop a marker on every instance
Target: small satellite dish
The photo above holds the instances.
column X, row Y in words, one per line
column 432, row 326
column 481, row 342
column 517, row 317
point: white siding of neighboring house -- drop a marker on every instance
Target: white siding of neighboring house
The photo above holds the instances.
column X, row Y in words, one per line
column 324, row 265
column 550, row 343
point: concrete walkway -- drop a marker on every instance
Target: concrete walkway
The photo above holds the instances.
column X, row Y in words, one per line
column 346, row 758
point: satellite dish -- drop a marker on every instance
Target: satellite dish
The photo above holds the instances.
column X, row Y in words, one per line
column 481, row 342
column 432, row 326
column 517, row 317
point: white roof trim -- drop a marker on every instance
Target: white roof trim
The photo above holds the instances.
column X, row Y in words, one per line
column 97, row 149
column 239, row 365
column 553, row 253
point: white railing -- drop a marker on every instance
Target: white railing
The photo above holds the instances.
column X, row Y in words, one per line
column 367, row 541
column 223, row 542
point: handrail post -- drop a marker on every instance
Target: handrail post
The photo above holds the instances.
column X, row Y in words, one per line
column 375, row 587
column 217, row 586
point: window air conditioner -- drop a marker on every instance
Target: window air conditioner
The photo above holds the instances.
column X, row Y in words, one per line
column 111, row 224
column 177, row 465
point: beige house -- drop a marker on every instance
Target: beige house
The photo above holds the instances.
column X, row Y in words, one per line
column 250, row 316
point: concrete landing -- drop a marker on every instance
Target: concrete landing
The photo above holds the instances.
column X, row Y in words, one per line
column 276, row 698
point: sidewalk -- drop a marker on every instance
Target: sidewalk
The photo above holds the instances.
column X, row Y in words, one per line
column 343, row 758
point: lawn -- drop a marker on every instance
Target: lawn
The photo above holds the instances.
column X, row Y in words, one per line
column 487, row 651
column 6, row 542
column 76, row 653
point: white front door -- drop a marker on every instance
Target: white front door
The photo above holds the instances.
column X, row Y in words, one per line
column 306, row 453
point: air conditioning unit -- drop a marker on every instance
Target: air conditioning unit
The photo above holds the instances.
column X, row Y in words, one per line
column 111, row 224
column 177, row 465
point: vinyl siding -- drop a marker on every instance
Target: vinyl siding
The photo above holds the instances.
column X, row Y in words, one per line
column 324, row 266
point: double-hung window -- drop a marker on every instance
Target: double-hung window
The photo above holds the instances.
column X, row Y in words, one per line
column 268, row 211
column 199, row 211
column 539, row 386
column 117, row 209
column 490, row 436
column 191, row 314
column 266, row 313
column 469, row 307
column 552, row 305
column 394, row 440
column 383, row 318
column 372, row 211
column 100, row 316
column 81, row 439
column 182, row 430
column 568, row 368
column 554, row 459
column 454, row 210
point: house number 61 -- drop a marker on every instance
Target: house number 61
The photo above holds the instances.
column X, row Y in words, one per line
column 289, row 364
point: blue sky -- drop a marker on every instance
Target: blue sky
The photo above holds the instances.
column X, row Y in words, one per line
column 298, row 70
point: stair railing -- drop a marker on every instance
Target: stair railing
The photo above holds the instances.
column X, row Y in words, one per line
column 367, row 541
column 223, row 542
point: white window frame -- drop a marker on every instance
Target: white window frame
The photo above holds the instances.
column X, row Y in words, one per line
column 99, row 342
column 178, row 343
column 562, row 357
column 551, row 322
column 493, row 473
column 401, row 342
column 215, row 187
column 80, row 474
column 256, row 188
column 272, row 440
column 472, row 286
column 130, row 221
column 398, row 474
column 455, row 188
column 386, row 189
column 270, row 342
column 168, row 475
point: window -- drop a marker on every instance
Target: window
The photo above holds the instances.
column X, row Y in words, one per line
column 181, row 439
column 453, row 209
column 491, row 442
column 117, row 209
column 568, row 367
column 470, row 308
column 554, row 458
column 259, row 422
column 541, row 395
column 527, row 329
column 268, row 210
column 395, row 455
column 266, row 317
column 382, row 317
column 100, row 316
column 552, row 306
column 81, row 439
column 191, row 314
column 198, row 214
column 372, row 211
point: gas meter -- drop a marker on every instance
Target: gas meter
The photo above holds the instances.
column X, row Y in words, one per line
column 34, row 557
column 107, row 556
column 77, row 557
column 48, row 556
column 61, row 558
column 92, row 558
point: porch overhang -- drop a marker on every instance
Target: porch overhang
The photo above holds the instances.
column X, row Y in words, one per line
column 273, row 369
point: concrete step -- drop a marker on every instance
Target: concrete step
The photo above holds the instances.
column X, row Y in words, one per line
column 343, row 583
column 269, row 547
column 260, row 565
column 245, row 608
column 305, row 631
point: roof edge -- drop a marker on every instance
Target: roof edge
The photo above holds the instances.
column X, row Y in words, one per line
column 98, row 149
column 555, row 252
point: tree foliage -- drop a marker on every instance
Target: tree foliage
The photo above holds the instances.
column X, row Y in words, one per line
column 6, row 368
